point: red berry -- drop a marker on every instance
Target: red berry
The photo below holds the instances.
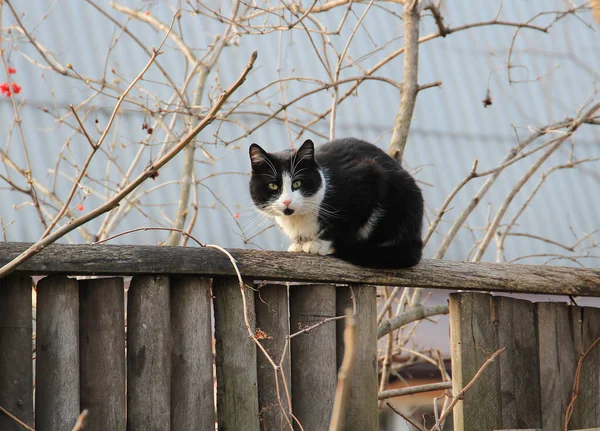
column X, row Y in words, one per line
column 11, row 70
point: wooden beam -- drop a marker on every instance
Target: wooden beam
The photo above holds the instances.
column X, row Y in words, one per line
column 102, row 352
column 57, row 354
column 16, row 372
column 284, row 266
column 192, row 390
column 235, row 361
column 148, row 354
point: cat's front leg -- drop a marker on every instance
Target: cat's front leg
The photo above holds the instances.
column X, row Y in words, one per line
column 320, row 247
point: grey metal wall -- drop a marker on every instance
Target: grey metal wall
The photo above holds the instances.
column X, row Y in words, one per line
column 451, row 127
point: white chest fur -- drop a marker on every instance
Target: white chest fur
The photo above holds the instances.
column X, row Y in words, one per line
column 301, row 226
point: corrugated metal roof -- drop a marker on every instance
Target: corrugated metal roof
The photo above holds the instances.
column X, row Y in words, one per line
column 450, row 130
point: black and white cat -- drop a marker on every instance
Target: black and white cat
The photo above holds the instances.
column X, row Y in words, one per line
column 347, row 198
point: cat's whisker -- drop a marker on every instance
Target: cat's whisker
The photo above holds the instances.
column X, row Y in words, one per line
column 255, row 224
column 256, row 227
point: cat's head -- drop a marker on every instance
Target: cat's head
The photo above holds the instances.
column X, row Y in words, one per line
column 286, row 183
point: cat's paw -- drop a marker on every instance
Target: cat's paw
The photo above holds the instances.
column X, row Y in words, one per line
column 318, row 247
column 295, row 247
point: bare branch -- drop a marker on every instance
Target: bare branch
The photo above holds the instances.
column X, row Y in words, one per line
column 458, row 396
column 416, row 313
column 410, row 86
column 342, row 392
column 148, row 173
column 411, row 390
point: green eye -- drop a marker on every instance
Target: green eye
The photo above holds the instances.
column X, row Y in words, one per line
column 296, row 184
column 273, row 186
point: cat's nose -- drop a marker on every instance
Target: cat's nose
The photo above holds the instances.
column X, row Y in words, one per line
column 287, row 203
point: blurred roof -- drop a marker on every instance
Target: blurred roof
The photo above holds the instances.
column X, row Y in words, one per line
column 451, row 127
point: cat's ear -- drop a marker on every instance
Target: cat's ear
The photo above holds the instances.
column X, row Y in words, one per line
column 306, row 151
column 257, row 155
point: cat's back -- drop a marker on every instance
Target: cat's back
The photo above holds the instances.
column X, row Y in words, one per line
column 352, row 153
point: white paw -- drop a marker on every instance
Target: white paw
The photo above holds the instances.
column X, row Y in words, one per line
column 295, row 247
column 318, row 247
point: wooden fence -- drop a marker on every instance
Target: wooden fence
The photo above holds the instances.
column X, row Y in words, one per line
column 158, row 373
column 541, row 376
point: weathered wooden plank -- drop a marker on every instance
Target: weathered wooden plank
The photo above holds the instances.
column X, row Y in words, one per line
column 361, row 413
column 472, row 339
column 271, row 265
column 313, row 392
column 559, row 335
column 16, row 373
column 237, row 389
column 586, row 413
column 148, row 354
column 57, row 354
column 273, row 321
column 192, row 386
column 102, row 352
column 519, row 368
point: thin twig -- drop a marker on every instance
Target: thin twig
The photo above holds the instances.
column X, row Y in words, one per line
column 406, row 418
column 411, row 390
column 461, row 393
column 571, row 405
column 81, row 421
column 149, row 172
column 16, row 419
column 97, row 145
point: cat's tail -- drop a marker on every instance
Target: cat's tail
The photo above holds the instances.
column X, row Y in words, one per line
column 402, row 255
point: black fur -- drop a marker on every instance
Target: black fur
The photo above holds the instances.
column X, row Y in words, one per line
column 360, row 179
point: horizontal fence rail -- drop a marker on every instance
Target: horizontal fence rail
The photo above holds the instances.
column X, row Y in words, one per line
column 301, row 267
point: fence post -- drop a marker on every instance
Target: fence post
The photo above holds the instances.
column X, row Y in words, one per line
column 559, row 333
column 148, row 354
column 16, row 372
column 192, row 387
column 273, row 320
column 313, row 355
column 516, row 328
column 362, row 413
column 102, row 352
column 586, row 413
column 237, row 391
column 57, row 354
column 472, row 338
